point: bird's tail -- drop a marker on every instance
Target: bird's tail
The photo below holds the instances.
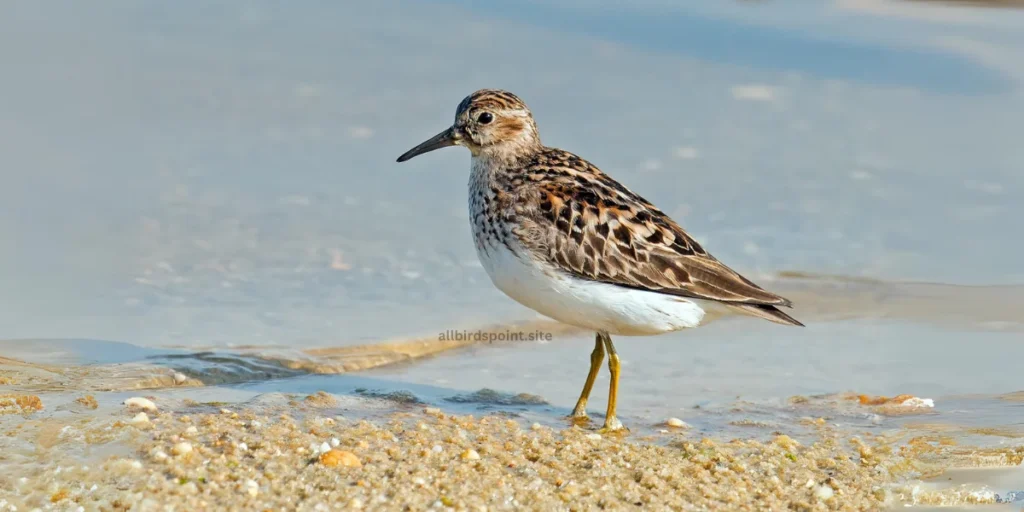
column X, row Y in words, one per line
column 770, row 313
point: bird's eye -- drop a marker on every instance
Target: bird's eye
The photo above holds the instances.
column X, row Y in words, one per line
column 485, row 118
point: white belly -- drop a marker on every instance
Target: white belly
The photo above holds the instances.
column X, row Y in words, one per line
column 587, row 304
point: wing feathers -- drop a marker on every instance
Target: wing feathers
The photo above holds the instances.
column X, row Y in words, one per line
column 583, row 222
column 770, row 313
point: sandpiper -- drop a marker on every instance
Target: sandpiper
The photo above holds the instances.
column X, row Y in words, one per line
column 563, row 238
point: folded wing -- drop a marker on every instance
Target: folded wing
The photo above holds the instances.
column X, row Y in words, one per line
column 588, row 225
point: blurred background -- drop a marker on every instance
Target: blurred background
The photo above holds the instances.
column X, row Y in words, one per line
column 225, row 173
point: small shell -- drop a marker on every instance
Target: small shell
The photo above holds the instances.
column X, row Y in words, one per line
column 140, row 403
column 181, row 449
column 918, row 402
column 337, row 457
column 823, row 492
column 676, row 423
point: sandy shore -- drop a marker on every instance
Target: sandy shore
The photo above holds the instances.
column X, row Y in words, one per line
column 290, row 452
column 137, row 436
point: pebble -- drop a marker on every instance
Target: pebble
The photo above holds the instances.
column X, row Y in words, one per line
column 325, row 447
column 225, row 411
column 432, row 410
column 242, row 447
column 470, row 454
column 823, row 492
column 138, row 402
column 179, row 378
column 252, row 487
column 192, row 430
column 335, row 442
column 337, row 457
column 676, row 423
column 140, row 419
column 182, row 448
column 594, row 437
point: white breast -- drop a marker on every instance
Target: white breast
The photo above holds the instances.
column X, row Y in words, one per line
column 587, row 304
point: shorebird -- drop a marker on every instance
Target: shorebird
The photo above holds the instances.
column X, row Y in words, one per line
column 563, row 238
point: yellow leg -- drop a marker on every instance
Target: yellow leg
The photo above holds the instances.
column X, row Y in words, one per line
column 611, row 422
column 596, row 358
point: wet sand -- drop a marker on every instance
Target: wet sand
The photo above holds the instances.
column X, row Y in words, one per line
column 317, row 451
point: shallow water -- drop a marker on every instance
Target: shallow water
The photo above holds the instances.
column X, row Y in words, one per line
column 225, row 176
column 223, row 179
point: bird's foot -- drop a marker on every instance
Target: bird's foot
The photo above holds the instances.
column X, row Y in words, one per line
column 580, row 411
column 579, row 415
column 612, row 425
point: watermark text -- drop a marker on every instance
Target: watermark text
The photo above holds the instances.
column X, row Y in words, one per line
column 492, row 336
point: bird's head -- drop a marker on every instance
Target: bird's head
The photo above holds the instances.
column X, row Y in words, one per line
column 491, row 123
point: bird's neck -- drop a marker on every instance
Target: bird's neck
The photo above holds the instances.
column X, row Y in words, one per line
column 506, row 158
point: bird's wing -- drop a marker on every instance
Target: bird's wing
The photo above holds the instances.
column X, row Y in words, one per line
column 581, row 221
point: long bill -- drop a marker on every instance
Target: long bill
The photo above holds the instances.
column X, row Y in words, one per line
column 441, row 140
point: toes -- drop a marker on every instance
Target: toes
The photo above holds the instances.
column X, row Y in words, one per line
column 579, row 419
column 613, row 424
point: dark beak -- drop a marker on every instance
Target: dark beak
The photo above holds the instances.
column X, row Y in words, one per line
column 441, row 140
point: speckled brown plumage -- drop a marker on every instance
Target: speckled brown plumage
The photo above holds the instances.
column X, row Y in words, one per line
column 561, row 237
column 570, row 214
